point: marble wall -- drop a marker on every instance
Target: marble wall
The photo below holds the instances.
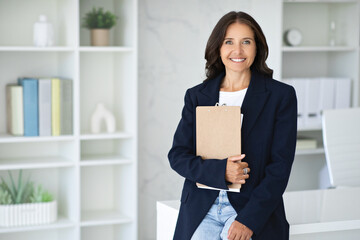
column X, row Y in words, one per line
column 172, row 39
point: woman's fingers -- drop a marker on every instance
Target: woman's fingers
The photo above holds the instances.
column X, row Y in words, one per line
column 237, row 157
column 236, row 170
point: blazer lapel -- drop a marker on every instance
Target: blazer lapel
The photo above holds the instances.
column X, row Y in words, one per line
column 210, row 93
column 254, row 101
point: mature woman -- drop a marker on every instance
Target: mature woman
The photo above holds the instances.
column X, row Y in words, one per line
column 237, row 75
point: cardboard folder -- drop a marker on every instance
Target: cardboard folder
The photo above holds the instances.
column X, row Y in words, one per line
column 218, row 135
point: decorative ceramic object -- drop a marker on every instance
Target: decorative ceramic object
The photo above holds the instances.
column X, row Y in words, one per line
column 102, row 114
column 25, row 214
column 99, row 37
column 43, row 33
column 332, row 33
column 292, row 37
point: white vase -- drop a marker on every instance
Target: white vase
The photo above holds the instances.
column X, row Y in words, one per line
column 43, row 33
column 15, row 215
column 101, row 114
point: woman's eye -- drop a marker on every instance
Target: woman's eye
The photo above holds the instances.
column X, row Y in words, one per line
column 246, row 42
column 228, row 42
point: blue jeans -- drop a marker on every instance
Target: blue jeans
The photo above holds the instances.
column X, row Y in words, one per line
column 216, row 224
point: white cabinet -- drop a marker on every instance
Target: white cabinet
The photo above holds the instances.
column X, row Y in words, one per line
column 92, row 176
column 329, row 48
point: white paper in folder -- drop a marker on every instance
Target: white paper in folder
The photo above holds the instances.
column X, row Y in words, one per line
column 343, row 93
column 312, row 102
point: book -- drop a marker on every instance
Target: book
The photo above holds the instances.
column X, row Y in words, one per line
column 44, row 107
column 66, row 107
column 305, row 143
column 218, row 135
column 55, row 106
column 31, row 106
column 15, row 109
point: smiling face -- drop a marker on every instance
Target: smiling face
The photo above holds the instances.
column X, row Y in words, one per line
column 238, row 49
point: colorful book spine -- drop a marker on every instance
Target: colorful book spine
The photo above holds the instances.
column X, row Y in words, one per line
column 15, row 109
column 44, row 107
column 66, row 107
column 55, row 106
column 31, row 106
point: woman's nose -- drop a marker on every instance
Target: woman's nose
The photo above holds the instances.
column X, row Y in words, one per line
column 238, row 48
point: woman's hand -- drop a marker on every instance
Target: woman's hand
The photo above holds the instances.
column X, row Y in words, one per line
column 235, row 169
column 239, row 231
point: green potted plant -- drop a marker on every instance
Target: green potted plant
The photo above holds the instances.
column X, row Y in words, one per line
column 99, row 22
column 23, row 204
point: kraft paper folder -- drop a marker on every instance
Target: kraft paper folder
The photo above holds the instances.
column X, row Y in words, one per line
column 218, row 135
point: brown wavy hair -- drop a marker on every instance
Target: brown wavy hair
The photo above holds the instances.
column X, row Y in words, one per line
column 214, row 66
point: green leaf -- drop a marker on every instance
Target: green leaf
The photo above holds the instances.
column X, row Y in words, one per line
column 97, row 18
column 12, row 189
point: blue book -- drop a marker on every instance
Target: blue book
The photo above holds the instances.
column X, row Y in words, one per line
column 31, row 106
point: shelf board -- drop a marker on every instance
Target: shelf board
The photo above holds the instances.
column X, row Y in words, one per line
column 310, row 151
column 106, row 49
column 105, row 159
column 309, row 128
column 102, row 217
column 34, row 163
column 6, row 138
column 35, row 49
column 320, row 1
column 99, row 136
column 62, row 222
column 324, row 227
column 318, row 49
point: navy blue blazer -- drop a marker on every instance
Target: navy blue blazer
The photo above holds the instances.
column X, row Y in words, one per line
column 268, row 139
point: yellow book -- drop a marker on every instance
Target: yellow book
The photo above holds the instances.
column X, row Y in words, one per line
column 55, row 106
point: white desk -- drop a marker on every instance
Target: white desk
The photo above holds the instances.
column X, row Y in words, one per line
column 332, row 214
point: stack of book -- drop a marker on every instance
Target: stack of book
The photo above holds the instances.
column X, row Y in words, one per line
column 40, row 107
column 303, row 143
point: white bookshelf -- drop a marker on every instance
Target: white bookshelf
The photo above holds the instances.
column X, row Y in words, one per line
column 92, row 176
column 314, row 57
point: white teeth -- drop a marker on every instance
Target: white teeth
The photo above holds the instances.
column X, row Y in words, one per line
column 237, row 59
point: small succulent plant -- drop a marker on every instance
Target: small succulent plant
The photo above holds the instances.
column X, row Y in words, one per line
column 39, row 195
column 5, row 197
column 23, row 192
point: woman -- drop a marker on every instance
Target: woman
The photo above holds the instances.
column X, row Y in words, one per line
column 237, row 75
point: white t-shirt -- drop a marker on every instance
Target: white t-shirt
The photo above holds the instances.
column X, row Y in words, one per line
column 232, row 99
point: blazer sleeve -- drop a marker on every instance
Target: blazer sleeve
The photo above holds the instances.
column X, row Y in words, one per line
column 268, row 194
column 182, row 155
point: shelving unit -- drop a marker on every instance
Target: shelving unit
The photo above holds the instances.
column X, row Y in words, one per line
column 93, row 177
column 315, row 57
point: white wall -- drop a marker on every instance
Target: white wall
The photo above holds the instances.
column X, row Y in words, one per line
column 172, row 39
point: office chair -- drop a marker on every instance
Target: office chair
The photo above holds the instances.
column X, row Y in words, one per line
column 341, row 136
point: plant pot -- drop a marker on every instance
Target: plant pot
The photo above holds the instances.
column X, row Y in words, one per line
column 99, row 37
column 28, row 214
